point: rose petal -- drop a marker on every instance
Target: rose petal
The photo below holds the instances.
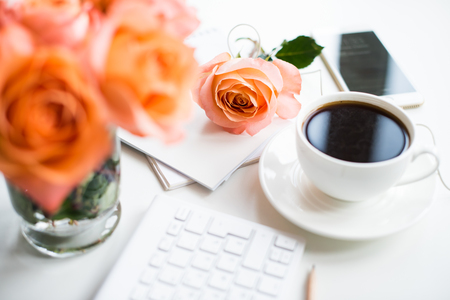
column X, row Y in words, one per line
column 261, row 66
column 205, row 70
column 213, row 112
column 237, row 130
column 288, row 105
column 218, row 60
column 128, row 113
column 292, row 80
column 45, row 195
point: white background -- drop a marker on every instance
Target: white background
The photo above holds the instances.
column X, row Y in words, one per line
column 414, row 264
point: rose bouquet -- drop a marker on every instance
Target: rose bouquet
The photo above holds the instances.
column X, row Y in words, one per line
column 73, row 70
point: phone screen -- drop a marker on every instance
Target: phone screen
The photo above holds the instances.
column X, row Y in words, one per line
column 366, row 66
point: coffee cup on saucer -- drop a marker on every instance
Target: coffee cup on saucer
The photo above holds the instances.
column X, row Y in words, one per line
column 354, row 146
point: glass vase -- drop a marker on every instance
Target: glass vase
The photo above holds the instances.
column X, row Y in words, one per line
column 87, row 217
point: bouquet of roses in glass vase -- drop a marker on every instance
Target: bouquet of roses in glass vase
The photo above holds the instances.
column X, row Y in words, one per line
column 71, row 72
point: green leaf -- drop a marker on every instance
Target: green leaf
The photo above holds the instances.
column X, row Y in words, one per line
column 300, row 52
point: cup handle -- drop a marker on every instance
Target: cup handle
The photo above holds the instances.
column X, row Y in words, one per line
column 425, row 172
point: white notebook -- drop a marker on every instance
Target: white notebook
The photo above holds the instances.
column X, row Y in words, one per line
column 171, row 179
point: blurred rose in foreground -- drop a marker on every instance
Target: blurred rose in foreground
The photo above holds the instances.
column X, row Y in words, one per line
column 145, row 70
column 52, row 129
column 243, row 94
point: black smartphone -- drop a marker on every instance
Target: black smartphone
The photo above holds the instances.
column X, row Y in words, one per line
column 359, row 61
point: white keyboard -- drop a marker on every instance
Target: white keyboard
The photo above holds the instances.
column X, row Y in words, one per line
column 182, row 251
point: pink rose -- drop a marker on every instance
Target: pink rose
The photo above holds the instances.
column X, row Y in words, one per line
column 243, row 94
column 61, row 22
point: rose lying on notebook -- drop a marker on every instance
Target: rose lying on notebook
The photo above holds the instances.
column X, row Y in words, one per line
column 244, row 94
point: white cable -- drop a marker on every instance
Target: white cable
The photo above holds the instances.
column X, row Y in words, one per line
column 434, row 142
column 258, row 43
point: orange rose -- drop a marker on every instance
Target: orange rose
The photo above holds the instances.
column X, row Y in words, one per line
column 172, row 16
column 52, row 131
column 146, row 74
column 243, row 94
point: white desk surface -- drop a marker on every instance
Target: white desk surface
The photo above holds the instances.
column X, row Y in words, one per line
column 413, row 264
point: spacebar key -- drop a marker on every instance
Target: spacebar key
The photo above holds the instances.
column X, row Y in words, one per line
column 258, row 249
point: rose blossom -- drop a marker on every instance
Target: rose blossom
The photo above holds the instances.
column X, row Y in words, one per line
column 15, row 41
column 56, row 22
column 52, row 130
column 243, row 94
column 145, row 70
column 172, row 16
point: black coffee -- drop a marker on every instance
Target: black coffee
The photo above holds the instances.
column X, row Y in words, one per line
column 356, row 132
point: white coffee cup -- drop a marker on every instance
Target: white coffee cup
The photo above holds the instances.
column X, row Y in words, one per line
column 355, row 181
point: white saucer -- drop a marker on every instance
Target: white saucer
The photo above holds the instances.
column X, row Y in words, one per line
column 297, row 199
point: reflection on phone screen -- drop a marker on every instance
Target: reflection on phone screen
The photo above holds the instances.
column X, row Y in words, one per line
column 366, row 66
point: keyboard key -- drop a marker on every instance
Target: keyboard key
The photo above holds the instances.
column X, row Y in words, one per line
column 175, row 227
column 182, row 213
column 222, row 228
column 275, row 269
column 166, row 243
column 285, row 242
column 188, row 241
column 257, row 252
column 211, row 244
column 228, row 262
column 203, row 261
column 160, row 292
column 210, row 294
column 247, row 278
column 220, row 280
column 218, row 228
column 158, row 259
column 180, row 257
column 275, row 254
column 240, row 294
column 170, row 275
column 149, row 275
column 235, row 245
column 269, row 285
column 195, row 279
column 285, row 257
column 240, row 230
column 139, row 292
column 197, row 223
column 186, row 294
